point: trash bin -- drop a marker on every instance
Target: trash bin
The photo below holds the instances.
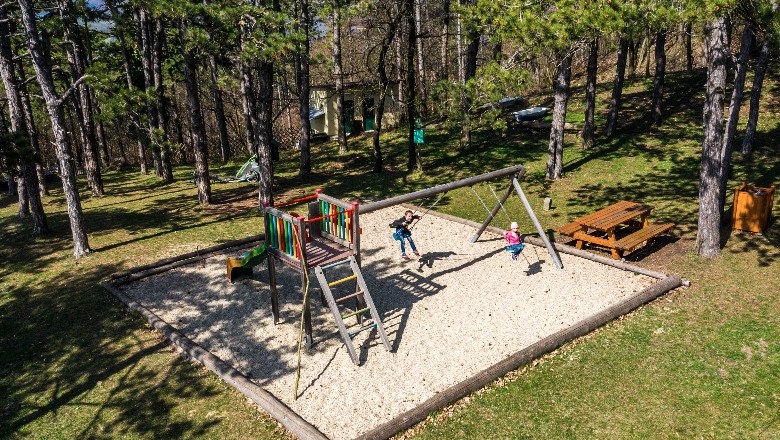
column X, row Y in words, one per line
column 752, row 207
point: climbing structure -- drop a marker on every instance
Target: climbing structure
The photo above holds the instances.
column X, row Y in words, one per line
column 329, row 237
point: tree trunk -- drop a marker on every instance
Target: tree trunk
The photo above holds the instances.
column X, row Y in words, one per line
column 219, row 110
column 27, row 186
column 420, row 59
column 159, row 101
column 196, row 119
column 554, row 169
column 127, row 62
column 658, row 80
column 733, row 115
column 83, row 104
column 617, row 86
column 413, row 161
column 32, row 130
column 264, row 130
column 755, row 99
column 105, row 156
column 402, row 98
column 145, row 45
column 444, row 74
column 247, row 96
column 339, row 78
column 387, row 41
column 469, row 71
column 688, row 47
column 53, row 106
column 590, row 95
column 708, row 238
column 303, row 89
column 120, row 142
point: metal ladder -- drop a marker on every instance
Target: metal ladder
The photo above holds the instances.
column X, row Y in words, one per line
column 360, row 292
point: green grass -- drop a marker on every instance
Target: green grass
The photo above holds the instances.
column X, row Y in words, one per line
column 700, row 362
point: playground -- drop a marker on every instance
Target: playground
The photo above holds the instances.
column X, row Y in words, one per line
column 457, row 311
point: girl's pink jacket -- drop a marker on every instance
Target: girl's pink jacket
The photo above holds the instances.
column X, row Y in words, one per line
column 512, row 237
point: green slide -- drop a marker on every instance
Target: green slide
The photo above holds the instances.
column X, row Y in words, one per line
column 243, row 267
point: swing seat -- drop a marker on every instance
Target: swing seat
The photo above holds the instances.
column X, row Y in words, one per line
column 509, row 248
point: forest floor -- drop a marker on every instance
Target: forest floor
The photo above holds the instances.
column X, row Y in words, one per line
column 703, row 361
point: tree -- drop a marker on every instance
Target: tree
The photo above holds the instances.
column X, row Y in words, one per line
column 554, row 169
column 303, row 87
column 588, row 127
column 733, row 112
column 414, row 161
column 196, row 117
column 42, row 65
column 393, row 21
column 708, row 237
column 338, row 75
column 658, row 78
column 617, row 86
column 755, row 99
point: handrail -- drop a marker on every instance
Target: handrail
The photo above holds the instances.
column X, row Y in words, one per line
column 296, row 201
column 315, row 219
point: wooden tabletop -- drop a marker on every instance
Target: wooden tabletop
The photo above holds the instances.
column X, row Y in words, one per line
column 614, row 215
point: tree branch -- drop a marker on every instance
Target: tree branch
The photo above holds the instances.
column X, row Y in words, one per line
column 72, row 88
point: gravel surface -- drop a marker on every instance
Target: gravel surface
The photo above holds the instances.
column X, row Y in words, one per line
column 449, row 314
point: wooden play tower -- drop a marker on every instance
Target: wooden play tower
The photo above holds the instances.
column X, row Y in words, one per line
column 327, row 239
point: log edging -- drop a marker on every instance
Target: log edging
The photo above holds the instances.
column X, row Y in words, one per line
column 291, row 420
column 147, row 270
column 515, row 361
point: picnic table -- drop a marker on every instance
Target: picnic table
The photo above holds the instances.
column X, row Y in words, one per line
column 600, row 228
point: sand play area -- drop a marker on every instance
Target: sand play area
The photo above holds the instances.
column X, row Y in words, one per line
column 449, row 314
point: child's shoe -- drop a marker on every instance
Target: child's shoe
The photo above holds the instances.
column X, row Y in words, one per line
column 405, row 257
column 416, row 253
column 514, row 257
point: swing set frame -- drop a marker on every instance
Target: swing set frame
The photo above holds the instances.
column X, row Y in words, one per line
column 514, row 173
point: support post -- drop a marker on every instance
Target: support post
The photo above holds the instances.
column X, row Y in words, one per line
column 493, row 213
column 271, row 268
column 538, row 225
column 300, row 225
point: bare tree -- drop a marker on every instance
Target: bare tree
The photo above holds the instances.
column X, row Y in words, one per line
column 338, row 75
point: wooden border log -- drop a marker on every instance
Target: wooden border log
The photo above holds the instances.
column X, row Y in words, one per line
column 423, row 193
column 199, row 252
column 273, row 406
column 500, row 369
column 177, row 260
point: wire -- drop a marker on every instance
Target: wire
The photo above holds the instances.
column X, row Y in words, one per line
column 480, row 199
column 426, row 211
column 508, row 219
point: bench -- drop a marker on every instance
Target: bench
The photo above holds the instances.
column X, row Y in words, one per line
column 629, row 242
column 570, row 229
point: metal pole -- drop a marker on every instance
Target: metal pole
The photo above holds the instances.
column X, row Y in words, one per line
column 493, row 213
column 538, row 225
column 423, row 193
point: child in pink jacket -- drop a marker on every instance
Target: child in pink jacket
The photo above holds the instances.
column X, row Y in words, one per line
column 514, row 240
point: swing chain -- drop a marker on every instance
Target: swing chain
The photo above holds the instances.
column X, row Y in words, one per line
column 508, row 219
column 426, row 211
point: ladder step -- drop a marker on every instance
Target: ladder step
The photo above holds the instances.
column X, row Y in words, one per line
column 343, row 280
column 354, row 313
column 351, row 335
column 359, row 292
column 332, row 265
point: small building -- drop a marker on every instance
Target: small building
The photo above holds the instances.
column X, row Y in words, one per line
column 360, row 100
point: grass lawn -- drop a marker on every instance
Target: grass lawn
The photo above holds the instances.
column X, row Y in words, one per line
column 700, row 362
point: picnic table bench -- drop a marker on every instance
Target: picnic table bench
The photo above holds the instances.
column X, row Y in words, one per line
column 606, row 221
